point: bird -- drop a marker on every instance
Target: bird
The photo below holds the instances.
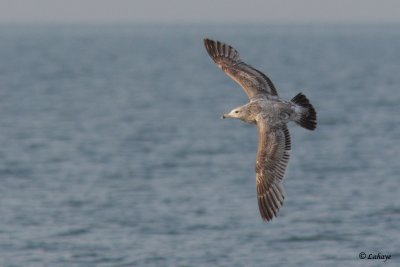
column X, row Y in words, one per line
column 271, row 114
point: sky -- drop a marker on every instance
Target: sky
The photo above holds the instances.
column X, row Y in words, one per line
column 201, row 11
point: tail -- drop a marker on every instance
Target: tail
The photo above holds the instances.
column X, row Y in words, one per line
column 307, row 117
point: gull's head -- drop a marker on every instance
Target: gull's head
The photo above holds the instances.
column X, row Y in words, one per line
column 236, row 113
column 243, row 113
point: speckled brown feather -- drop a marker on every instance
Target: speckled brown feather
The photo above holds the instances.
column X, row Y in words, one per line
column 273, row 155
column 254, row 83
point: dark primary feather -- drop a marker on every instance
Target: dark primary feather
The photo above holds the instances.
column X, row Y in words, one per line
column 273, row 155
column 254, row 82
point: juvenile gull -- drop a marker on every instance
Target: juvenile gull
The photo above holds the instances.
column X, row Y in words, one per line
column 271, row 115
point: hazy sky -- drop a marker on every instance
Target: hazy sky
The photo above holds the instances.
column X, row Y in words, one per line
column 171, row 11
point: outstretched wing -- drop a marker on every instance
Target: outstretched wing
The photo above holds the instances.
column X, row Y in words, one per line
column 273, row 155
column 254, row 82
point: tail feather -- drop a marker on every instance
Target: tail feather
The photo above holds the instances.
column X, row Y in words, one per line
column 307, row 118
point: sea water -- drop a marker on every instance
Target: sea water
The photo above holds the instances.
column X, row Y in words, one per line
column 113, row 152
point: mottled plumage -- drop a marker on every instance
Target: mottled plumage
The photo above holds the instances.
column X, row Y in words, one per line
column 271, row 115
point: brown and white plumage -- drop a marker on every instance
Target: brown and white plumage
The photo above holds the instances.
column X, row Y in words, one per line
column 272, row 158
column 271, row 115
column 254, row 82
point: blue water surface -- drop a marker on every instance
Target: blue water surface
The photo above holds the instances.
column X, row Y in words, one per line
column 113, row 152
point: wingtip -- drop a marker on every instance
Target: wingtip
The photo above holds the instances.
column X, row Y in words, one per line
column 208, row 41
column 220, row 51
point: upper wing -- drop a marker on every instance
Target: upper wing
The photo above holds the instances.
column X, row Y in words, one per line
column 273, row 155
column 254, row 82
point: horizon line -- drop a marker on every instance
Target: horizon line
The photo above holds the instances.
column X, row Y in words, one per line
column 197, row 23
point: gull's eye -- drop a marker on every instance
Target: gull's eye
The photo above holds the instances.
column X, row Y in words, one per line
column 236, row 111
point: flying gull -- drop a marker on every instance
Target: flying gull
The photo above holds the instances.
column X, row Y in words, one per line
column 271, row 114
